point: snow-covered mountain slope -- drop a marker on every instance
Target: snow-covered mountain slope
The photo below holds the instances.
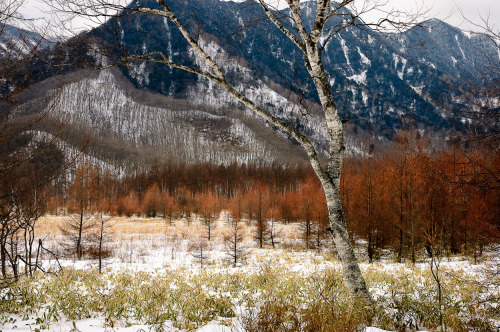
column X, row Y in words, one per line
column 379, row 83
column 18, row 49
column 378, row 80
column 17, row 42
column 103, row 111
column 206, row 92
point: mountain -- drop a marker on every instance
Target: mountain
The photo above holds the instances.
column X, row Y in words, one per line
column 449, row 50
column 20, row 49
column 380, row 82
column 120, row 127
column 17, row 42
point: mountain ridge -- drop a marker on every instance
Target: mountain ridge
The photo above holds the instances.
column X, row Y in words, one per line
column 370, row 82
column 378, row 82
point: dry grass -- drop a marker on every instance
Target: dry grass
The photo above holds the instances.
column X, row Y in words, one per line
column 49, row 225
column 123, row 228
column 275, row 290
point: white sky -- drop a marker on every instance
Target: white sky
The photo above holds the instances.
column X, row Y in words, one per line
column 442, row 9
column 449, row 10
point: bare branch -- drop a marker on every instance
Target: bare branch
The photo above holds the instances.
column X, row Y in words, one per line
column 294, row 6
column 150, row 56
column 281, row 27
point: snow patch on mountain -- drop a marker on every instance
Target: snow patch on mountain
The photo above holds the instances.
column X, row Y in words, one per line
column 419, row 90
column 345, row 49
column 364, row 58
column 207, row 92
column 460, row 47
column 359, row 78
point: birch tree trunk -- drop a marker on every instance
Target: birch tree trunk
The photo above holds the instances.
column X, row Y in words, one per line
column 330, row 179
column 310, row 40
column 308, row 43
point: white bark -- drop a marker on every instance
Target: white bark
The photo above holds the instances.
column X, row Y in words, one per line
column 330, row 179
column 309, row 44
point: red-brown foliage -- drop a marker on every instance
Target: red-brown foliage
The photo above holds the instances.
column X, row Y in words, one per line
column 404, row 199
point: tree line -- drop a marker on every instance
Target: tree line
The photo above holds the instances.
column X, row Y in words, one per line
column 403, row 198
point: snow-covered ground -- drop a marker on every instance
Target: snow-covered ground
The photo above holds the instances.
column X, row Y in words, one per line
column 157, row 249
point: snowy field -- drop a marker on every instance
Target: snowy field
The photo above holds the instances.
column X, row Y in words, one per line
column 166, row 276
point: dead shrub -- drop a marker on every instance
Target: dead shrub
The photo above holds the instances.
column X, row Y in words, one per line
column 274, row 315
column 92, row 252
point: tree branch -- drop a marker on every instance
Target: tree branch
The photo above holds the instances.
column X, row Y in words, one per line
column 221, row 80
column 164, row 60
column 281, row 27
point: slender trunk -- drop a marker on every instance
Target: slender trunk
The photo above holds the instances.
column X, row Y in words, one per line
column 235, row 248
column 38, row 251
column 465, row 235
column 26, row 265
column 261, row 231
column 100, row 245
column 3, row 241
column 260, row 222
column 401, row 218
column 79, row 251
column 412, row 221
column 4, row 265
column 435, row 261
column 79, row 240
column 318, row 236
column 371, row 246
column 308, row 232
column 30, row 250
column 3, row 257
column 13, row 257
column 29, row 238
column 453, row 243
column 351, row 273
column 272, row 233
column 209, row 227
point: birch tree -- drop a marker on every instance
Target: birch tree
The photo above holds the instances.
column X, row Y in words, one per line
column 309, row 39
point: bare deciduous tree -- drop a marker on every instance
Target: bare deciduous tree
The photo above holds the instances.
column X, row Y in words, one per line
column 200, row 251
column 102, row 236
column 76, row 229
column 310, row 39
column 29, row 161
column 209, row 210
column 236, row 251
column 23, row 198
column 85, row 195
